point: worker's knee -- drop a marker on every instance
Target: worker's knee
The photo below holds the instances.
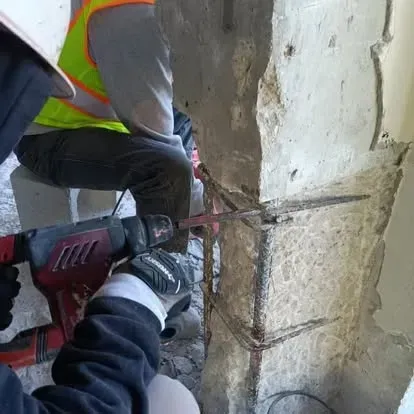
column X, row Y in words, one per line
column 166, row 395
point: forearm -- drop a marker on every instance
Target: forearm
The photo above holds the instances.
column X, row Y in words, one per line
column 105, row 369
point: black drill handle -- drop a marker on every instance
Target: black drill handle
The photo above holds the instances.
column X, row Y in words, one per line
column 146, row 232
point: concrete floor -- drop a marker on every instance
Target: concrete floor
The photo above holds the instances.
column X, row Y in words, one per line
column 183, row 359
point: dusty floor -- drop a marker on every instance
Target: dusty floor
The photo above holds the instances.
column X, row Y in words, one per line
column 182, row 359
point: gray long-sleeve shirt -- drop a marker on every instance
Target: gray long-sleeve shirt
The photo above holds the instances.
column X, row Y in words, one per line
column 132, row 56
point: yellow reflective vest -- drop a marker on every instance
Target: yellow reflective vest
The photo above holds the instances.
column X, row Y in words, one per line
column 91, row 106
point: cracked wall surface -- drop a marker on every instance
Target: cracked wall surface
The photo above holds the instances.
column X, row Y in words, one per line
column 294, row 100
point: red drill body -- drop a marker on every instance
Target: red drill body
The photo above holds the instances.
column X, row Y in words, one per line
column 68, row 265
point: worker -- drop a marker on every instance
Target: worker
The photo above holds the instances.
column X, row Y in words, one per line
column 111, row 364
column 118, row 133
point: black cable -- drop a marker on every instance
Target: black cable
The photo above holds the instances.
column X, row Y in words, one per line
column 279, row 396
column 119, row 202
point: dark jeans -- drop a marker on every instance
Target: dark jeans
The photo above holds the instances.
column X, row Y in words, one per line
column 159, row 176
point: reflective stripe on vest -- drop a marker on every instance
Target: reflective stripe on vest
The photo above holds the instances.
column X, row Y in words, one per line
column 91, row 106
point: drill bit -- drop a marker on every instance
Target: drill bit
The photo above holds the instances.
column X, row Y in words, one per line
column 269, row 215
column 216, row 218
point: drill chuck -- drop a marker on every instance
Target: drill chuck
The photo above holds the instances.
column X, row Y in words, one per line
column 149, row 231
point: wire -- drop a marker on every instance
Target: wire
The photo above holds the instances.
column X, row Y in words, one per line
column 284, row 394
column 118, row 203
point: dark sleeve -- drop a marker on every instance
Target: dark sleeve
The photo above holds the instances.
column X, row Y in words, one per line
column 105, row 369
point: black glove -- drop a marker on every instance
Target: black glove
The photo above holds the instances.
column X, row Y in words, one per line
column 161, row 271
column 9, row 289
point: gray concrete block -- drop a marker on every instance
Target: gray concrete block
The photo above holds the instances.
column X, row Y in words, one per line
column 40, row 203
column 92, row 203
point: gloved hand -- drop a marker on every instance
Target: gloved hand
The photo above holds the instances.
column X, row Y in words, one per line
column 161, row 271
column 155, row 279
column 9, row 289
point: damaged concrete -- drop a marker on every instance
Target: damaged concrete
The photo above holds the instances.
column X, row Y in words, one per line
column 322, row 259
column 293, row 99
column 318, row 262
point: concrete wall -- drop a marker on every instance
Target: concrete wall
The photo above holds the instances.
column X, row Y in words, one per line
column 294, row 100
column 217, row 67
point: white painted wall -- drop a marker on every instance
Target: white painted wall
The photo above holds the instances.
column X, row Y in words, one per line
column 396, row 281
column 398, row 63
column 407, row 403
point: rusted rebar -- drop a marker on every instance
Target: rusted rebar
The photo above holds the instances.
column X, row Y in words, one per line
column 208, row 266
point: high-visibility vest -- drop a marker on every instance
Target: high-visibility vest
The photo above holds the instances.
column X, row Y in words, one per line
column 91, row 106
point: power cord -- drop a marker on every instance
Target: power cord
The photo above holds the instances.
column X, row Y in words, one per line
column 279, row 396
column 118, row 203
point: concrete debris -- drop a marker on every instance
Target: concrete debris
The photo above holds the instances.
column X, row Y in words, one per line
column 182, row 365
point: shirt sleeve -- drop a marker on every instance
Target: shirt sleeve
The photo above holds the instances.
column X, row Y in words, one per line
column 133, row 59
column 105, row 369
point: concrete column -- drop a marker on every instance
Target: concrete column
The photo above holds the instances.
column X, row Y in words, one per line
column 289, row 101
